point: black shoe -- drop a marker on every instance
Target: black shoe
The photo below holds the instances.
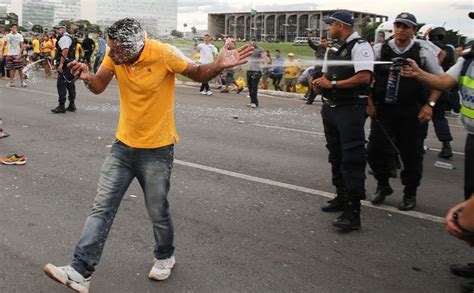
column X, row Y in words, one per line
column 59, row 109
column 335, row 205
column 350, row 218
column 468, row 285
column 382, row 191
column 466, row 271
column 446, row 151
column 309, row 103
column 71, row 107
column 408, row 203
column 240, row 90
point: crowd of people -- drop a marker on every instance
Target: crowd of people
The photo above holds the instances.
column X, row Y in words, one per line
column 400, row 96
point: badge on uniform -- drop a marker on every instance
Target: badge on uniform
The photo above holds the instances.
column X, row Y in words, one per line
column 343, row 52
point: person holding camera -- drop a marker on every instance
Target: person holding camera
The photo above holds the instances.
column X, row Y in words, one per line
column 401, row 106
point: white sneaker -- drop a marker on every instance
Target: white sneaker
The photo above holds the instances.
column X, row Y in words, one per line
column 23, row 84
column 209, row 93
column 10, row 84
column 202, row 92
column 161, row 270
column 68, row 276
column 253, row 105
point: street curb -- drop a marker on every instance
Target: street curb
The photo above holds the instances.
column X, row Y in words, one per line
column 265, row 92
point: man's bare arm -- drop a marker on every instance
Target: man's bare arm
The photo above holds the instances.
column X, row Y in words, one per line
column 96, row 83
column 437, row 82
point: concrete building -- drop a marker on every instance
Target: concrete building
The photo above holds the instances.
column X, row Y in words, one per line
column 159, row 17
column 283, row 26
column 49, row 13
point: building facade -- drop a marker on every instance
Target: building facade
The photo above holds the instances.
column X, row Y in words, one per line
column 283, row 26
column 48, row 13
column 159, row 17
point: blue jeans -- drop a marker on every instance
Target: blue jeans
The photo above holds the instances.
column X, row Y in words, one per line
column 152, row 168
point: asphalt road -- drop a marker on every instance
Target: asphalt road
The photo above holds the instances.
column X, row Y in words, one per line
column 247, row 187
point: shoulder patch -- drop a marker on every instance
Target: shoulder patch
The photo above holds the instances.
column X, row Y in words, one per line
column 360, row 41
column 365, row 53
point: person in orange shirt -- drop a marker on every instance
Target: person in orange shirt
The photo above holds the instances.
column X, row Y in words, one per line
column 145, row 70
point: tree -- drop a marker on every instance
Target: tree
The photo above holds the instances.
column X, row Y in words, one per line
column 37, row 28
column 185, row 26
column 368, row 29
column 177, row 33
column 194, row 30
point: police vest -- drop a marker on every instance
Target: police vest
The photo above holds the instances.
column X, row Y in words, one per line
column 466, row 87
column 71, row 53
column 411, row 91
column 344, row 72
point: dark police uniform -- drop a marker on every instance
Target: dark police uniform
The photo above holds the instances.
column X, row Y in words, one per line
column 63, row 84
column 344, row 115
column 399, row 121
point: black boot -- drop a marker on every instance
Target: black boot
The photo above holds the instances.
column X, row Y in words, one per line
column 383, row 190
column 446, row 151
column 59, row 109
column 71, row 107
column 408, row 203
column 337, row 204
column 466, row 271
column 350, row 218
column 468, row 285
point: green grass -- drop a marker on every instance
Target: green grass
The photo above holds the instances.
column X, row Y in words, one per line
column 300, row 51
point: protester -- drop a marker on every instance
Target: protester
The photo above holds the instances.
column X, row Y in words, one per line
column 88, row 46
column 15, row 46
column 100, row 53
column 254, row 73
column 292, row 71
column 266, row 62
column 144, row 142
column 277, row 71
column 207, row 54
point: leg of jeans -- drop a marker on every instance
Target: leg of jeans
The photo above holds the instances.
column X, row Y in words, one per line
column 115, row 178
column 254, row 89
column 152, row 168
column 62, row 92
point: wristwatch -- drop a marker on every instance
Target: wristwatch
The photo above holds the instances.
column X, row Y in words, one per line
column 333, row 83
column 432, row 104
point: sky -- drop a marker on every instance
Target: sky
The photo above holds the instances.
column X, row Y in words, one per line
column 438, row 12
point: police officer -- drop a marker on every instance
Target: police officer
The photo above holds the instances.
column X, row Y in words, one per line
column 440, row 123
column 401, row 106
column 345, row 91
column 65, row 51
column 460, row 218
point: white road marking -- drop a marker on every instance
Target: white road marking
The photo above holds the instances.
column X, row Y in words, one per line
column 390, row 209
column 438, row 150
column 289, row 129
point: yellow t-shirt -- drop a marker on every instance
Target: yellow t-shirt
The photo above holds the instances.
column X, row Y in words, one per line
column 147, row 96
column 78, row 50
column 46, row 46
column 292, row 69
column 36, row 46
column 4, row 49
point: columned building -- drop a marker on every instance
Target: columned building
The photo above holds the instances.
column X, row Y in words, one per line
column 283, row 26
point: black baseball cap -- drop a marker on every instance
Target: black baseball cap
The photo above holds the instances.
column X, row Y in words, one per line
column 471, row 15
column 406, row 18
column 343, row 16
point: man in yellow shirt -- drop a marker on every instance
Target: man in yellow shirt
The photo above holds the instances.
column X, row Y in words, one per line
column 292, row 71
column 145, row 71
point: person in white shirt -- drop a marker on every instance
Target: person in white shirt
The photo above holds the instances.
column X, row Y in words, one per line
column 207, row 51
column 14, row 44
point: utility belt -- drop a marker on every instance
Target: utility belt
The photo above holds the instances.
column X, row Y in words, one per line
column 345, row 102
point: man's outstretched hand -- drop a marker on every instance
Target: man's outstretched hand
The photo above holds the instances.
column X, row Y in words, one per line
column 233, row 57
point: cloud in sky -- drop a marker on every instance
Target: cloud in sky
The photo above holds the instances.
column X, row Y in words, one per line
column 437, row 12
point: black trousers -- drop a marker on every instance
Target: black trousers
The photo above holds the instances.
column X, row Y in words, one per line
column 204, row 86
column 440, row 123
column 253, row 78
column 469, row 167
column 345, row 138
column 64, row 88
column 401, row 124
